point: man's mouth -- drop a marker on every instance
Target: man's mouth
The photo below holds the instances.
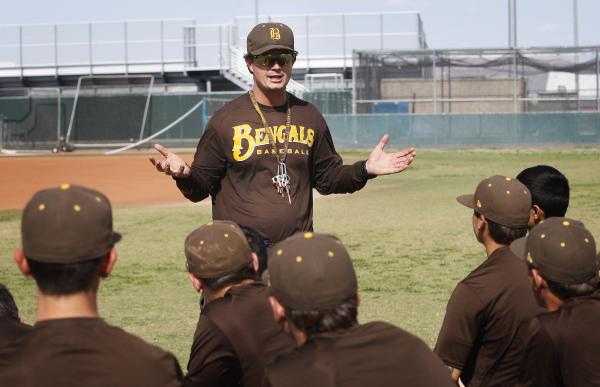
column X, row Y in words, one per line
column 275, row 77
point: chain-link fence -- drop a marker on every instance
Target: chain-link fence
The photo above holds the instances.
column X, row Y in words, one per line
column 477, row 80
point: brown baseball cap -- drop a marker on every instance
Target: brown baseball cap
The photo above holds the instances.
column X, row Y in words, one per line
column 269, row 36
column 216, row 249
column 310, row 271
column 562, row 250
column 502, row 199
column 67, row 224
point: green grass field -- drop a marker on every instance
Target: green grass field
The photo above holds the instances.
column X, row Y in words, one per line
column 409, row 239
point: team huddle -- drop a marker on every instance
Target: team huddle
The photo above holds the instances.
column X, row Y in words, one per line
column 525, row 317
column 278, row 302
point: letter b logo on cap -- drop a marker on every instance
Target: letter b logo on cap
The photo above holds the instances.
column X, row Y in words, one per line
column 275, row 35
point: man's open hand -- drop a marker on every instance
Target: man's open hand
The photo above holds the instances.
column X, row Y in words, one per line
column 381, row 163
column 172, row 164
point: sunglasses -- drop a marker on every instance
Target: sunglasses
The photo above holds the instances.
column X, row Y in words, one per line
column 268, row 60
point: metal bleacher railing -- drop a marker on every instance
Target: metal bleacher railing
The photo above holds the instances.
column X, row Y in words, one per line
column 179, row 45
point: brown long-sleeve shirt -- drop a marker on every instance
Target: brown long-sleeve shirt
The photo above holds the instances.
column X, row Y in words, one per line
column 234, row 163
column 85, row 352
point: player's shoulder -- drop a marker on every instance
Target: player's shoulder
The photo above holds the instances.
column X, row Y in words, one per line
column 390, row 333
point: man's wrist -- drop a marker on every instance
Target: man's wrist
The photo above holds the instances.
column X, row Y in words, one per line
column 365, row 171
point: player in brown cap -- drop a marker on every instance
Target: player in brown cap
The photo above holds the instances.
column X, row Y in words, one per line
column 565, row 345
column 549, row 192
column 482, row 336
column 11, row 326
column 236, row 335
column 261, row 155
column 315, row 297
column 68, row 247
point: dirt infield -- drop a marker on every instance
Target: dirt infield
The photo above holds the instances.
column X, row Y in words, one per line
column 125, row 179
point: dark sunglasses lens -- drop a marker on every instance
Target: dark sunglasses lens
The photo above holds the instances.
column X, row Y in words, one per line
column 264, row 60
column 269, row 60
column 286, row 59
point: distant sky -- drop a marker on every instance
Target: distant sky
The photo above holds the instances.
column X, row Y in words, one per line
column 448, row 23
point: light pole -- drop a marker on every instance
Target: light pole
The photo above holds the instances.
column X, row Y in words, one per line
column 255, row 12
column 576, row 44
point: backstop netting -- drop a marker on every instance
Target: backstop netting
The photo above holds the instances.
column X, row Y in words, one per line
column 109, row 110
column 551, row 79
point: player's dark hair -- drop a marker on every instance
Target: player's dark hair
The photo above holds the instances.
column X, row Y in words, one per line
column 313, row 322
column 503, row 235
column 8, row 307
column 257, row 245
column 214, row 284
column 549, row 189
column 564, row 292
column 61, row 279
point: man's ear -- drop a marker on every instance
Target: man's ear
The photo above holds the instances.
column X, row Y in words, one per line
column 108, row 263
column 357, row 298
column 277, row 309
column 537, row 280
column 538, row 214
column 21, row 262
column 196, row 284
column 249, row 64
column 255, row 261
column 481, row 222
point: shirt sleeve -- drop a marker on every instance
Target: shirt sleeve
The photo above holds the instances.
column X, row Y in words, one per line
column 461, row 327
column 209, row 165
column 330, row 175
column 212, row 359
column 541, row 365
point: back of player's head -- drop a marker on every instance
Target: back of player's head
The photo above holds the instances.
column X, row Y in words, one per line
column 8, row 307
column 66, row 232
column 218, row 254
column 564, row 253
column 549, row 189
column 311, row 275
column 505, row 203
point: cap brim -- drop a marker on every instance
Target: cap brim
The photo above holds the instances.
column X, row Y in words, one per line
column 518, row 247
column 270, row 47
column 116, row 237
column 465, row 200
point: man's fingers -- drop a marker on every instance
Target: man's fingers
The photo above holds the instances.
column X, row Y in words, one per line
column 407, row 151
column 167, row 168
column 383, row 142
column 181, row 168
column 161, row 149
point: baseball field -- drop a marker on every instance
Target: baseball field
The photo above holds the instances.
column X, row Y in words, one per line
column 409, row 239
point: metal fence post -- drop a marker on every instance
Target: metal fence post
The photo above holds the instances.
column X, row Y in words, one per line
column 58, row 119
column 381, row 31
column 90, row 49
column 307, row 44
column 514, row 80
column 353, row 83
column 125, row 47
column 162, row 46
column 434, row 78
column 597, row 81
column 21, row 50
column 344, row 38
column 55, row 50
column 220, row 48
